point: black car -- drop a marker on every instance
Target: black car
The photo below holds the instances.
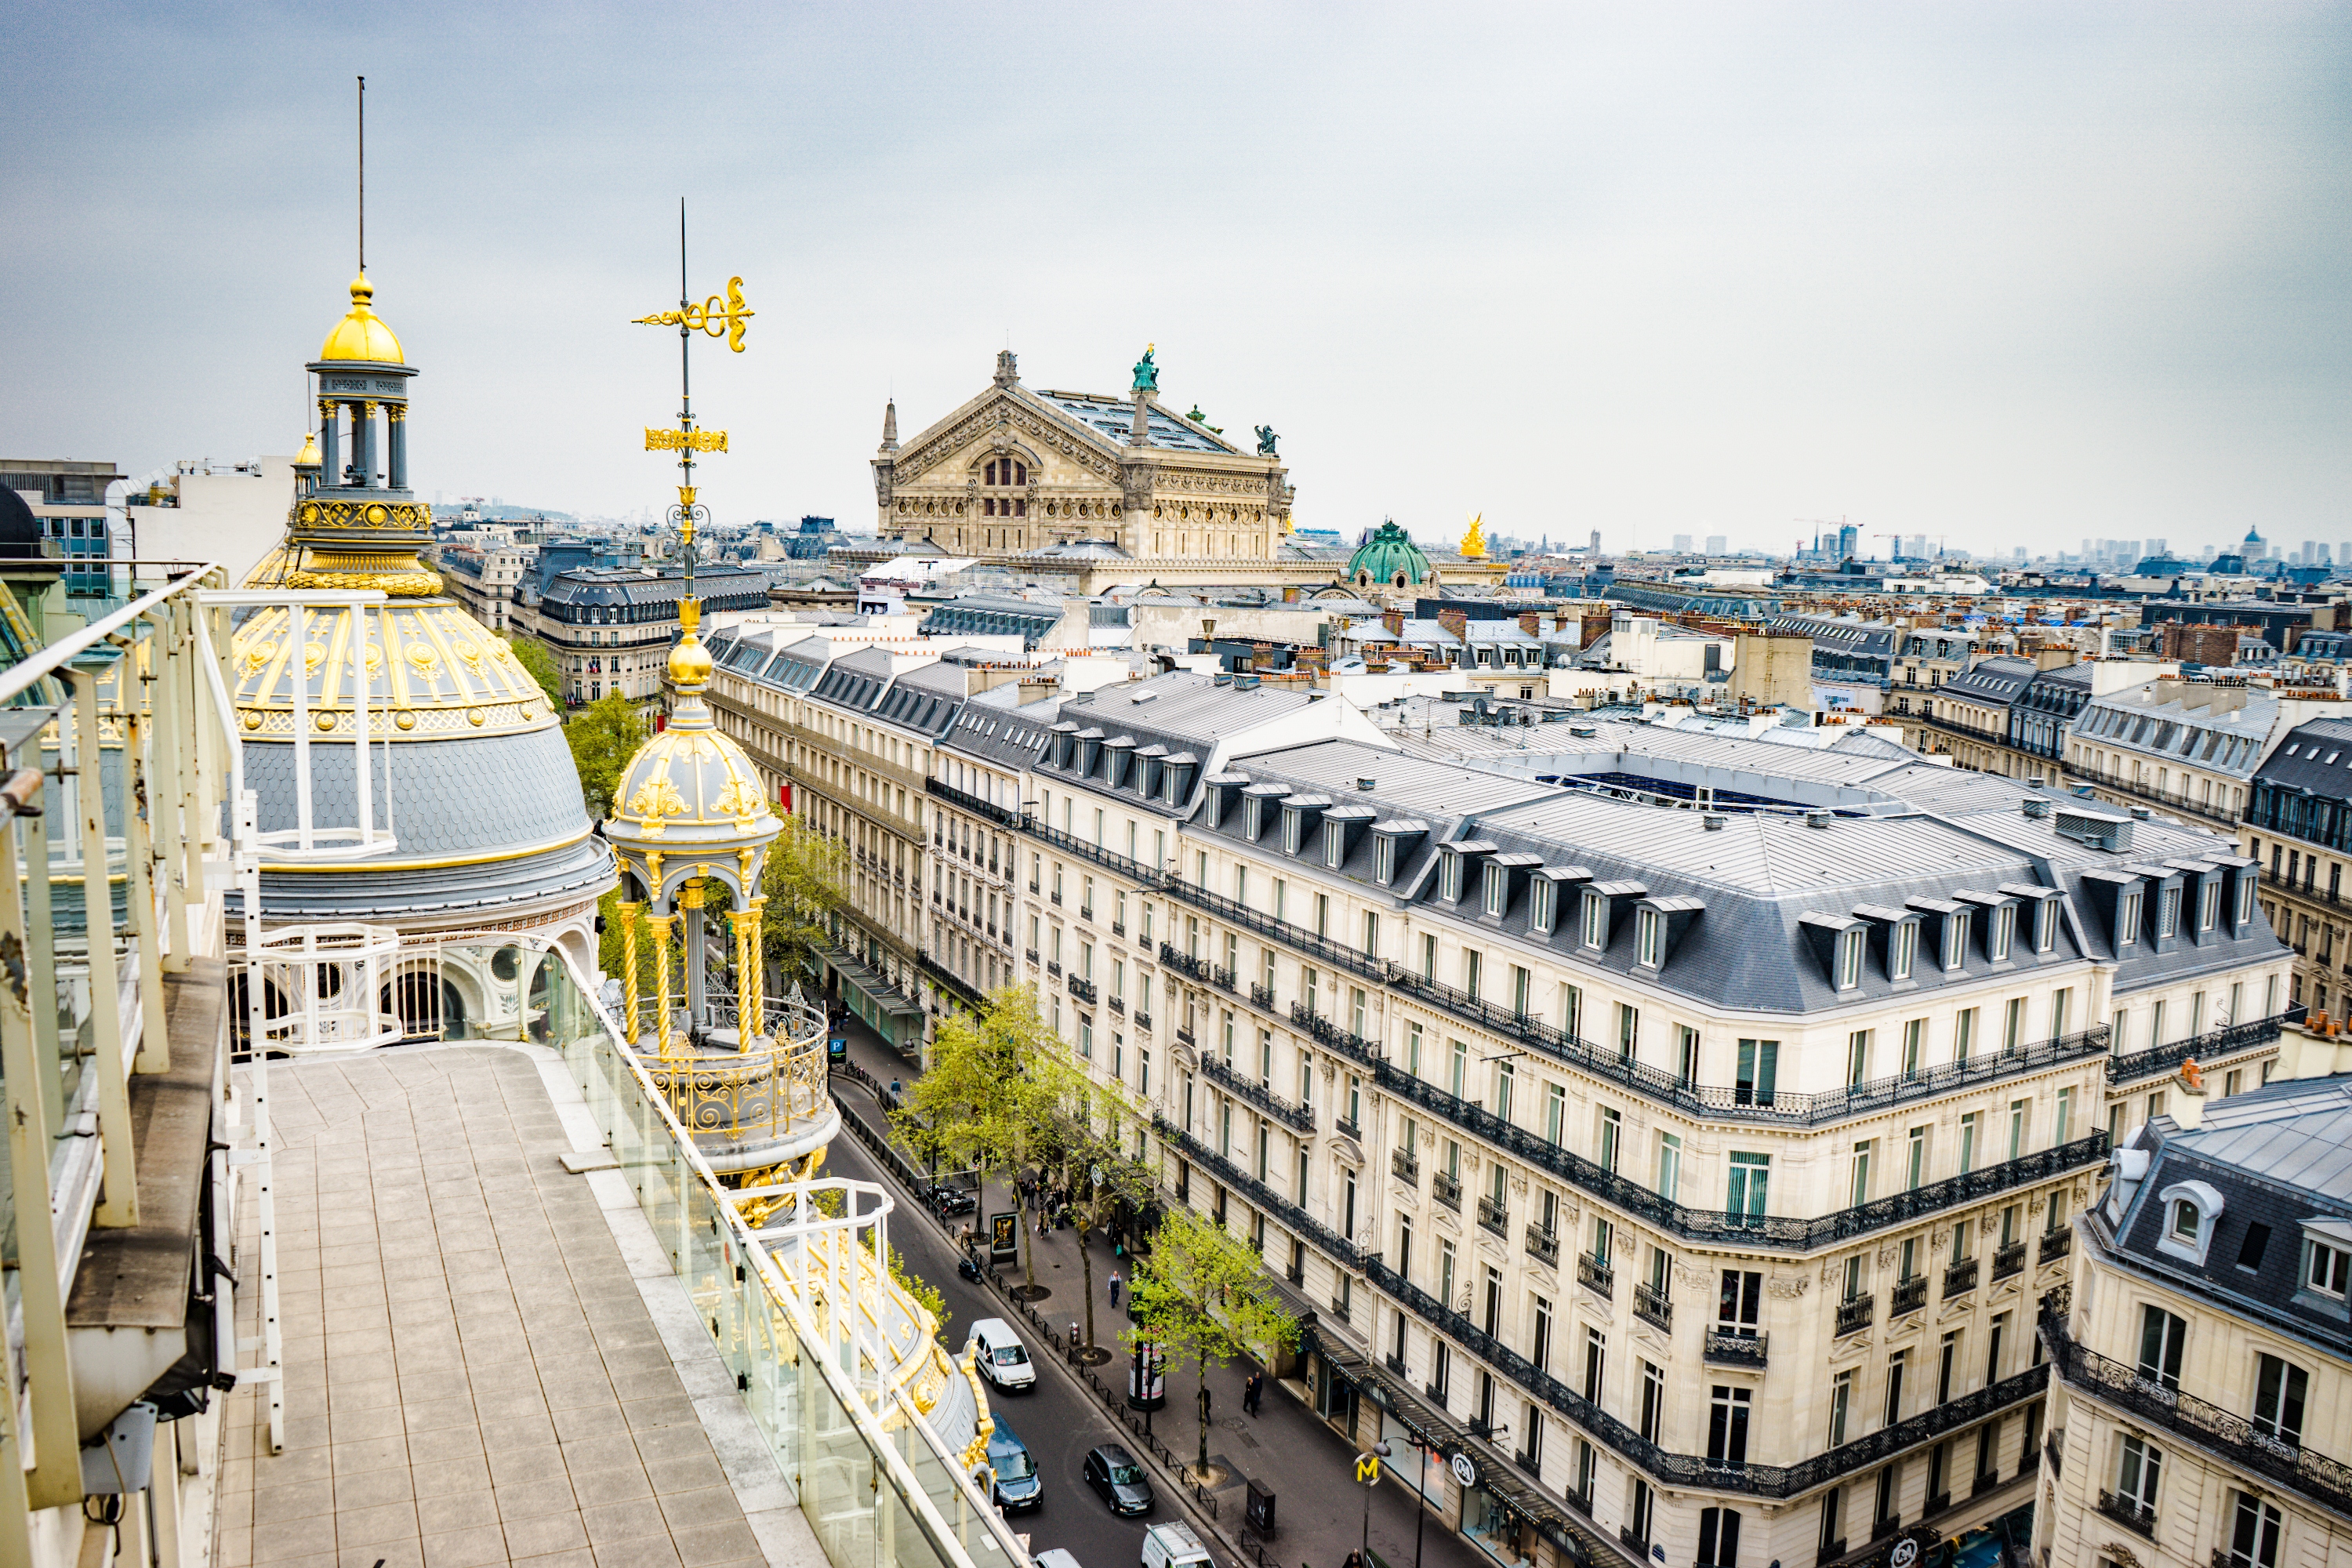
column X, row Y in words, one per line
column 1112, row 1472
column 1018, row 1484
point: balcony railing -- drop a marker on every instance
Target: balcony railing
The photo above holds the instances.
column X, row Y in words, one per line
column 1651, row 1305
column 2128, row 1512
column 1347, row 1042
column 1732, row 1349
column 1142, row 1020
column 1262, row 995
column 1960, row 1279
column 2227, row 1040
column 1404, row 1167
column 1854, row 1316
column 1446, row 1189
column 2324, row 1480
column 1663, row 1466
column 1772, row 1107
column 2057, row 1243
column 1543, row 1245
column 942, row 975
column 1084, row 989
column 1593, row 1271
column 1907, row 1297
column 2008, row 1260
column 1118, row 1004
column 1776, row 1232
column 1494, row 1217
column 1298, row 1118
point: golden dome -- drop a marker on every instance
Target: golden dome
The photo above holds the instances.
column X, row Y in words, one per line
column 363, row 334
column 308, row 456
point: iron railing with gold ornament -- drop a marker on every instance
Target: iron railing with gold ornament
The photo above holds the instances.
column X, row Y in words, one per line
column 770, row 1086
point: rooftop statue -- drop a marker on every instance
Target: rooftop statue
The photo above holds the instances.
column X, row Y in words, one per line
column 1266, row 440
column 1474, row 543
column 1197, row 418
column 1147, row 374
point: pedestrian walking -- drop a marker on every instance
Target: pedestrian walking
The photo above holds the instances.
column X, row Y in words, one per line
column 1114, row 1287
column 1252, row 1392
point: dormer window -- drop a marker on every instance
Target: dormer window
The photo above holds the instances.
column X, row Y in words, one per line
column 2127, row 919
column 1543, row 905
column 2168, row 911
column 1497, row 888
column 1254, row 817
column 2191, row 1211
column 1384, row 858
column 1334, row 844
column 2004, row 932
column 1849, row 957
column 2327, row 1270
column 1596, row 921
column 2245, row 899
column 1955, row 939
column 1449, row 880
column 2209, row 904
column 1649, row 941
column 1903, row 949
column 1292, row 820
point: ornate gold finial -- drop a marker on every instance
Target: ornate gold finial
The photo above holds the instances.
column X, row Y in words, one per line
column 1474, row 543
column 708, row 317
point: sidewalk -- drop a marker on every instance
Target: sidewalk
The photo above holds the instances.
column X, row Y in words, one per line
column 1286, row 1449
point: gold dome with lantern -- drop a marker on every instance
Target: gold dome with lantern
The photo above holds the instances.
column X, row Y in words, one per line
column 469, row 812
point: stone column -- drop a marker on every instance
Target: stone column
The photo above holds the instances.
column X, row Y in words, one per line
column 396, row 435
column 689, row 899
column 330, row 425
column 363, row 440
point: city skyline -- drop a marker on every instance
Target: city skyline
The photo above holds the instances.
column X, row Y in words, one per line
column 1954, row 272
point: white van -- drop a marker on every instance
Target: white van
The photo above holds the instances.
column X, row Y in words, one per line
column 1174, row 1546
column 1003, row 1361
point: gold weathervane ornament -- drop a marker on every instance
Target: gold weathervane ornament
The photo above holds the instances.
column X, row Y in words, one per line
column 708, row 317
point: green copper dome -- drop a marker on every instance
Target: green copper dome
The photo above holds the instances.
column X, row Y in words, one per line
column 1388, row 557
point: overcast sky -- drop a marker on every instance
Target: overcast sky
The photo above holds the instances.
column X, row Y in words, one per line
column 2010, row 274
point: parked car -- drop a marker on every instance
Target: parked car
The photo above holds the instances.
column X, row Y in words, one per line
column 1003, row 1361
column 1174, row 1546
column 1054, row 1557
column 1018, row 1484
column 1112, row 1472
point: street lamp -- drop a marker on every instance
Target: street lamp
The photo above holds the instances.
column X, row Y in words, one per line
column 1370, row 1475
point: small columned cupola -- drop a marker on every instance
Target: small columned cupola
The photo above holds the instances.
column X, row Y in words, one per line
column 1459, row 869
column 1502, row 879
column 362, row 389
column 1302, row 816
column 1551, row 897
column 1394, row 842
column 1259, row 809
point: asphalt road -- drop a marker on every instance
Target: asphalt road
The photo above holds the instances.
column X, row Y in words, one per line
column 1057, row 1419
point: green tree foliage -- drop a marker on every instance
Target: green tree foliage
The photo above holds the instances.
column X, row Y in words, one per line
column 532, row 655
column 1203, row 1297
column 807, row 882
column 604, row 735
column 1077, row 1148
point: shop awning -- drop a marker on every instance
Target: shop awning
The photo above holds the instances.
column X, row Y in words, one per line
column 886, row 1009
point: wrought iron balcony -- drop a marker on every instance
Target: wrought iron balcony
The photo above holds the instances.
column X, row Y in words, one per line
column 1593, row 1271
column 2056, row 1244
column 1054, row 967
column 2225, row 1041
column 2325, row 1481
column 1651, row 1305
column 1345, row 1126
column 1298, row 1118
column 1142, row 1020
column 1446, row 1189
column 2129, row 1511
column 1494, row 1217
column 1960, row 1279
column 1404, row 1167
column 1907, row 1297
column 2008, row 1260
column 1854, row 1316
column 1262, row 994
column 1543, row 1245
column 1118, row 928
column 1773, row 1232
column 1183, row 963
column 1725, row 1348
column 1117, row 1005
column 1347, row 1042
column 1084, row 989
column 1782, row 1108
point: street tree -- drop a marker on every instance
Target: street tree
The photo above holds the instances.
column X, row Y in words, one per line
column 806, row 883
column 1203, row 1294
column 1083, row 1123
column 532, row 655
column 604, row 735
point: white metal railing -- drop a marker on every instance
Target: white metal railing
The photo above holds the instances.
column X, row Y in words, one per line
column 320, row 985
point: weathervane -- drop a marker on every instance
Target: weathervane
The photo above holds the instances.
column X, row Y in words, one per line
column 718, row 321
